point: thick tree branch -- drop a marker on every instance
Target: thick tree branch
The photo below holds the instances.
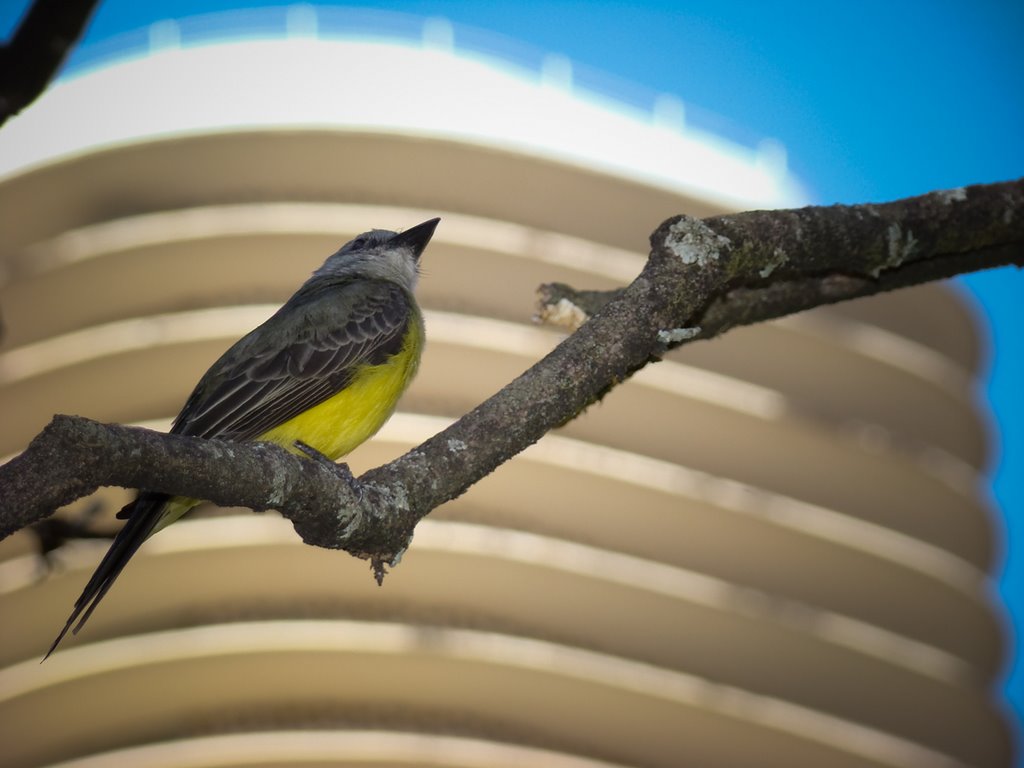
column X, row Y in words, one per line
column 562, row 305
column 73, row 456
column 944, row 240
column 32, row 57
column 712, row 274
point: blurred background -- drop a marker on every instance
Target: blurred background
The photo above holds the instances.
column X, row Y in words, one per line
column 845, row 104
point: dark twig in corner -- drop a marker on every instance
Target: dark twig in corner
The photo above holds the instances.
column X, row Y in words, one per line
column 34, row 54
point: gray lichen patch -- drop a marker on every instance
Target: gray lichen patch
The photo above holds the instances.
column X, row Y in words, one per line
column 677, row 334
column 952, row 195
column 694, row 242
column 779, row 258
column 900, row 248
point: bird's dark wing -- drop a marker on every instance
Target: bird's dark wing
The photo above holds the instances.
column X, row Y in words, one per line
column 307, row 352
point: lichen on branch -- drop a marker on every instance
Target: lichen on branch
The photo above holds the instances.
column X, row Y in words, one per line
column 702, row 278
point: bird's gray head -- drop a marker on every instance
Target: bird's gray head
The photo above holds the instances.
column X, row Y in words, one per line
column 381, row 254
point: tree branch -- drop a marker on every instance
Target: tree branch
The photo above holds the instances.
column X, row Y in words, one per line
column 702, row 278
column 944, row 241
column 32, row 57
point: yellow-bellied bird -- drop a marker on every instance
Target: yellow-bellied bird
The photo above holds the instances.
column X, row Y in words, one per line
column 325, row 370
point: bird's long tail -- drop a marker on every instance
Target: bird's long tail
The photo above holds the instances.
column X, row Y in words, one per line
column 144, row 517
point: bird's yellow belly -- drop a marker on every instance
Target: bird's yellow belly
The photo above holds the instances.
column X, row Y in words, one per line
column 339, row 424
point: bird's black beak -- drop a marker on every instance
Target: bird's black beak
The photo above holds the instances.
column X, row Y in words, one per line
column 415, row 238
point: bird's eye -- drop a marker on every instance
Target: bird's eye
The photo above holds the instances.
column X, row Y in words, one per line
column 359, row 242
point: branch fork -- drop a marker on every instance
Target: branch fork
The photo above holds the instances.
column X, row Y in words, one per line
column 702, row 278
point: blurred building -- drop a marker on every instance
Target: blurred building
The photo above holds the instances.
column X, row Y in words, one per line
column 772, row 549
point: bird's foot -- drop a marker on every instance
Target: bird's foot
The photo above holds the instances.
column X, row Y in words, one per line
column 339, row 468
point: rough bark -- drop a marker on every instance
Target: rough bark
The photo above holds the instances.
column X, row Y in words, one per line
column 702, row 278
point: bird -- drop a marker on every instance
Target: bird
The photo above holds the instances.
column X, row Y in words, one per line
column 319, row 377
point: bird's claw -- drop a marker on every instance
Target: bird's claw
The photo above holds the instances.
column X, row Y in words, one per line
column 339, row 468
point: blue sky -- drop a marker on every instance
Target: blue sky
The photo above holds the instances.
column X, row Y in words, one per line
column 873, row 100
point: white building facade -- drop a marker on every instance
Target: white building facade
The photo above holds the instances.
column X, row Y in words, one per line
column 773, row 548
